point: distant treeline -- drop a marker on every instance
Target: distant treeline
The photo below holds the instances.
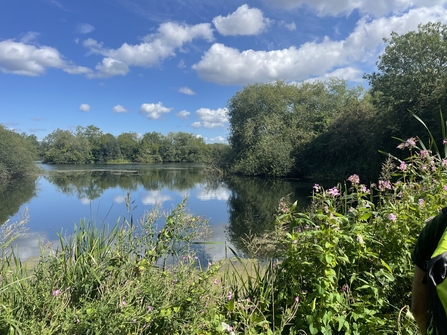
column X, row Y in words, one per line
column 91, row 145
column 309, row 130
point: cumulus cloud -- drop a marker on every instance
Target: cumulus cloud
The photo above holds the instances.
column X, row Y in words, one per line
column 119, row 199
column 153, row 198
column 119, row 109
column 85, row 108
column 209, row 118
column 31, row 60
column 220, row 193
column 217, row 139
column 169, row 37
column 244, row 21
column 84, row 28
column 109, row 67
column 186, row 90
column 337, row 7
column 225, row 65
column 184, row 114
column 154, row 111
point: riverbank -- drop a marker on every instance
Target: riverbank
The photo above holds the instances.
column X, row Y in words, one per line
column 344, row 268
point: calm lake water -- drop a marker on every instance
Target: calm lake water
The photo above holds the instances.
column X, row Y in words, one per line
column 62, row 195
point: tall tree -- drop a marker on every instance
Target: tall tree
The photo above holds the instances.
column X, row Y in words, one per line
column 93, row 135
column 16, row 155
column 64, row 147
column 148, row 150
column 128, row 143
column 270, row 124
column 411, row 76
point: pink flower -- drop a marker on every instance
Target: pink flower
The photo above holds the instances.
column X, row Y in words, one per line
column 355, row 179
column 424, row 154
column 56, row 293
column 392, row 217
column 402, row 166
column 333, row 191
column 421, row 202
column 230, row 295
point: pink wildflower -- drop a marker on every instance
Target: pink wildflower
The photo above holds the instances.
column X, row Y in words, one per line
column 392, row 217
column 56, row 293
column 333, row 191
column 355, row 179
column 402, row 166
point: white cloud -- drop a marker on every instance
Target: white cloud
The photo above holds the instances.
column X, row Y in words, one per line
column 85, row 201
column 30, row 60
column 169, row 37
column 376, row 8
column 119, row 199
column 288, row 26
column 225, row 65
column 153, row 198
column 84, row 28
column 211, row 118
column 154, row 111
column 85, row 108
column 110, row 67
column 29, row 37
column 220, row 193
column 217, row 139
column 119, row 109
column 183, row 114
column 345, row 73
column 244, row 21
column 186, row 90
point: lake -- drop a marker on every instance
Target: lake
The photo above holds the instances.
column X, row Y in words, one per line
column 61, row 195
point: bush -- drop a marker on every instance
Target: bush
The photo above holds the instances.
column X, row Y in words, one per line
column 16, row 155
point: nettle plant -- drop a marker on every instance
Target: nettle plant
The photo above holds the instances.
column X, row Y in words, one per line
column 348, row 257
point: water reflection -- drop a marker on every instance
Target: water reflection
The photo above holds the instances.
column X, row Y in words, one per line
column 253, row 203
column 14, row 194
column 235, row 206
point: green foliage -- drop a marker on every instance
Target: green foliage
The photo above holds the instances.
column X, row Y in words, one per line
column 411, row 77
column 110, row 281
column 16, row 155
column 183, row 147
column 270, row 124
column 65, row 147
column 350, row 145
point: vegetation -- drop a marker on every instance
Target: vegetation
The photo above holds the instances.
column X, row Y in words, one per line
column 17, row 155
column 340, row 267
column 91, row 145
column 331, row 130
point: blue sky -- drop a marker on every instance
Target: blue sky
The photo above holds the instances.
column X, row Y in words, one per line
column 172, row 65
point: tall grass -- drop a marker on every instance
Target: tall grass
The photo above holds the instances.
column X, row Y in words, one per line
column 342, row 266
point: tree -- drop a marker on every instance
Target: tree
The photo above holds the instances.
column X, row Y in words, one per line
column 411, row 76
column 93, row 135
column 109, row 148
column 64, row 147
column 270, row 124
column 148, row 150
column 16, row 155
column 128, row 143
